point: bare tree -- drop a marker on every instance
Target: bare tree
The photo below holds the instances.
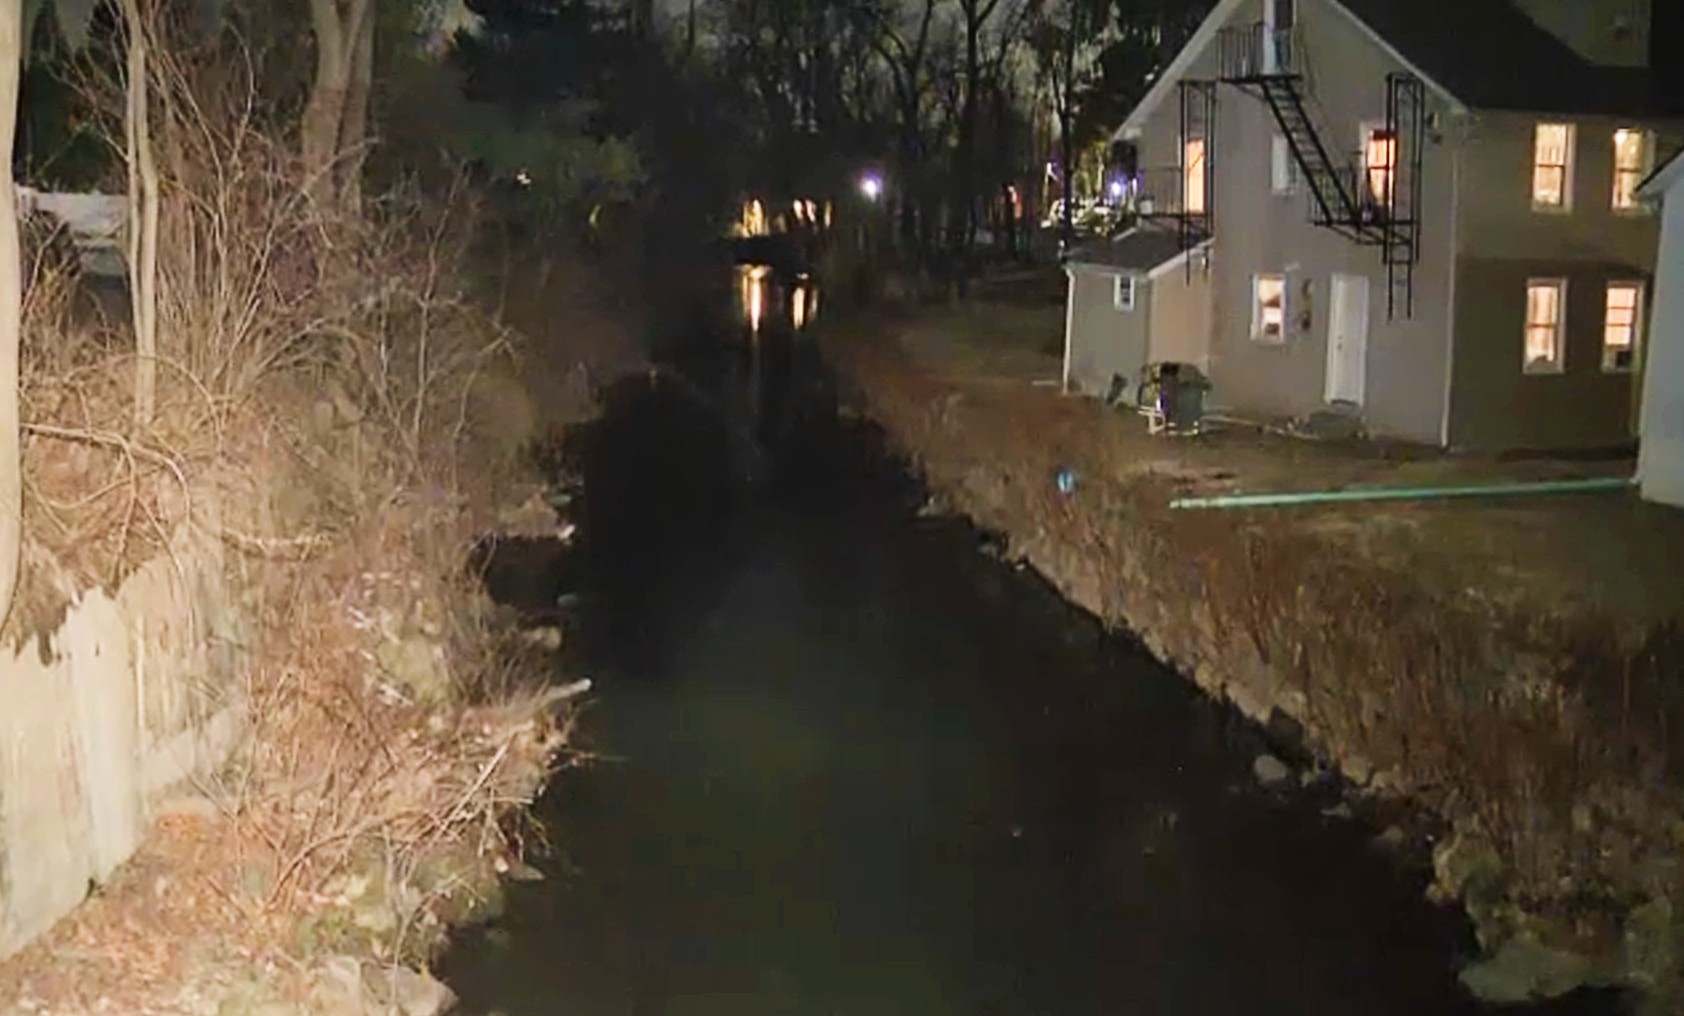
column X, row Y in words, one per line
column 332, row 134
column 11, row 310
column 975, row 15
column 1064, row 36
column 904, row 44
column 143, row 212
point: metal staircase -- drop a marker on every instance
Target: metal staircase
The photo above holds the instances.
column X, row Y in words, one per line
column 1371, row 202
column 1181, row 198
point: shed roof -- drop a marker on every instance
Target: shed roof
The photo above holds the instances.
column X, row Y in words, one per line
column 1136, row 251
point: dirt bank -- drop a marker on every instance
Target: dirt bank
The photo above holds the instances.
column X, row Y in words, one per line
column 1509, row 668
column 336, row 438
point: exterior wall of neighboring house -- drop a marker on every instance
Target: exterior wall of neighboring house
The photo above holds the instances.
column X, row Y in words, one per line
column 1102, row 341
column 1496, row 403
column 1159, row 143
column 1660, row 463
column 1262, row 233
column 96, row 224
column 1181, row 313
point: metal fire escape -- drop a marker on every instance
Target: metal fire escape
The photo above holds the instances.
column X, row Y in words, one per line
column 1182, row 198
column 1374, row 199
column 1198, row 123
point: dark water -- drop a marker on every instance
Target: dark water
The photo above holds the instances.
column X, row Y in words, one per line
column 852, row 766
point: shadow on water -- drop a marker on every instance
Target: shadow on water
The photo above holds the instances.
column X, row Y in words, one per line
column 851, row 765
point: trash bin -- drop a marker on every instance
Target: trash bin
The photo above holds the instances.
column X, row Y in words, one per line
column 1172, row 396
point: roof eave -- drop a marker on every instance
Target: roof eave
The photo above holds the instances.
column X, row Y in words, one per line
column 1203, row 36
column 1206, row 33
column 1662, row 179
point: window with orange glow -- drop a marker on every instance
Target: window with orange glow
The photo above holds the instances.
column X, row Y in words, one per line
column 1631, row 164
column 1552, row 165
column 1545, row 303
column 1620, row 326
column 1268, row 313
column 1193, row 185
column 1379, row 160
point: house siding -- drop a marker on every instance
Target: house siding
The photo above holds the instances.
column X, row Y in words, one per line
column 1181, row 314
column 1660, row 464
column 1103, row 341
column 1261, row 233
column 1497, row 218
column 1499, row 406
column 1159, row 143
column 1495, row 404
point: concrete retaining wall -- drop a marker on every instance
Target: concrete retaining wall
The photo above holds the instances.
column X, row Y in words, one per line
column 135, row 693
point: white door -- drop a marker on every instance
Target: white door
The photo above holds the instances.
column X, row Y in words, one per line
column 1347, row 339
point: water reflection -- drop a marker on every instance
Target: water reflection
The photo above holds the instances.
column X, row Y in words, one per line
column 769, row 303
column 774, row 309
column 752, row 286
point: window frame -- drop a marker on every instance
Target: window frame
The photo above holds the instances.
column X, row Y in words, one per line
column 1558, row 363
column 1645, row 163
column 1124, row 292
column 1567, row 167
column 1370, row 131
column 1188, row 176
column 1283, row 167
column 1259, row 332
column 1635, row 347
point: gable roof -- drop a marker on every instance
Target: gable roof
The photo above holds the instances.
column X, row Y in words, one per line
column 1474, row 53
column 1493, row 56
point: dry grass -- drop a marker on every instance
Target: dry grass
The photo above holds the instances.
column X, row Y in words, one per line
column 1542, row 726
column 337, row 409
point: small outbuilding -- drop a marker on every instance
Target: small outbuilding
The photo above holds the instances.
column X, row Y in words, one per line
column 1133, row 300
column 1660, row 462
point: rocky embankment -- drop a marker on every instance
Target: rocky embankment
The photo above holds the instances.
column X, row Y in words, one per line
column 1540, row 743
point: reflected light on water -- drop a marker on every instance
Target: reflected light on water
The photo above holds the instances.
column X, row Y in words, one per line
column 761, row 299
column 754, row 295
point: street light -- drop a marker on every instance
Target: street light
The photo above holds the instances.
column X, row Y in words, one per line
column 871, row 185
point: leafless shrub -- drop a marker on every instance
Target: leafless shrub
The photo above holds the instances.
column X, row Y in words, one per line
column 320, row 382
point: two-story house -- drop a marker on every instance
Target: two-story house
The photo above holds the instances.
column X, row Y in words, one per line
column 1420, row 211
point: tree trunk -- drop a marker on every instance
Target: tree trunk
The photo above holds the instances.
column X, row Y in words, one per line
column 143, row 216
column 965, row 193
column 353, row 130
column 1066, row 178
column 337, row 33
column 11, row 310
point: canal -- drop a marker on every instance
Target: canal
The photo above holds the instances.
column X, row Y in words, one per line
column 848, row 762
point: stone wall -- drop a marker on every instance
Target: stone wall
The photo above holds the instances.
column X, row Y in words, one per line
column 134, row 694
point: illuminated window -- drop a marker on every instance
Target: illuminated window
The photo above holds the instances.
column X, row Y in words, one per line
column 1546, row 300
column 1631, row 164
column 1268, row 308
column 1379, row 162
column 1620, row 326
column 1122, row 293
column 1193, row 181
column 1552, row 166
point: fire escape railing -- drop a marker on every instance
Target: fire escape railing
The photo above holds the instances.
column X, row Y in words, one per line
column 1374, row 203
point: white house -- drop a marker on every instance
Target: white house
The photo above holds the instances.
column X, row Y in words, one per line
column 1660, row 462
